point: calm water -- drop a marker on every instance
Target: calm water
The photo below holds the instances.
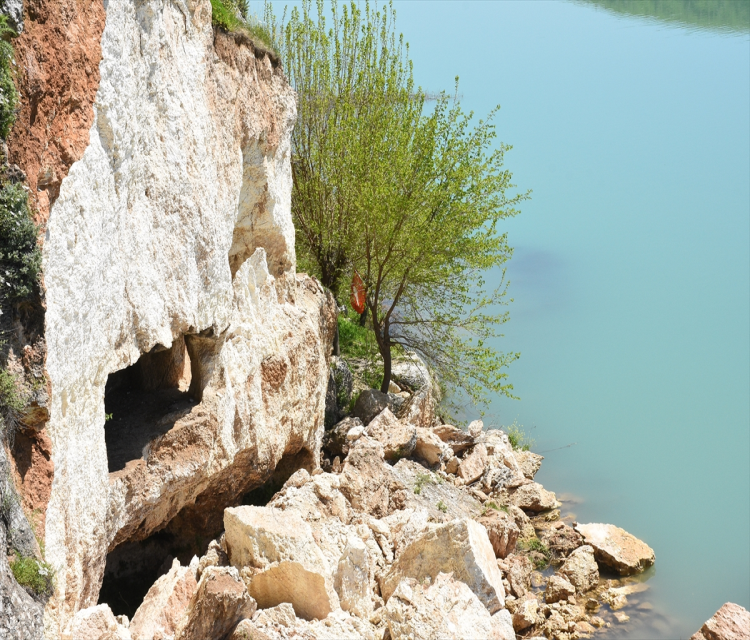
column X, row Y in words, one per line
column 631, row 274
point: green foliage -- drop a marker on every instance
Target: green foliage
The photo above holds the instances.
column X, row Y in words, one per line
column 719, row 15
column 540, row 554
column 20, row 258
column 33, row 574
column 422, row 479
column 411, row 200
column 518, row 438
column 495, row 506
column 10, row 398
column 233, row 16
column 442, row 506
column 8, row 93
column 355, row 341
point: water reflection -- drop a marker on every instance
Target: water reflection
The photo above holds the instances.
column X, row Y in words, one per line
column 721, row 16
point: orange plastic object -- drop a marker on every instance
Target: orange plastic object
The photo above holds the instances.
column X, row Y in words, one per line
column 357, row 295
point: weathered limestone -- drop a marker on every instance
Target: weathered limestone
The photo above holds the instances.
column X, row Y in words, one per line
column 454, row 437
column 731, row 622
column 369, row 404
column 526, row 615
column 218, row 604
column 419, row 410
column 461, row 547
column 533, row 497
column 446, row 608
column 165, row 604
column 397, row 437
column 580, row 569
column 352, row 579
column 561, row 539
column 431, row 448
column 528, row 462
column 518, row 574
column 558, row 588
column 472, row 465
column 616, row 548
column 95, row 623
column 502, row 531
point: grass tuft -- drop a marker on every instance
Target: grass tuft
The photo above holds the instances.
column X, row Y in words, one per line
column 32, row 574
column 232, row 16
column 518, row 438
column 540, row 554
column 442, row 506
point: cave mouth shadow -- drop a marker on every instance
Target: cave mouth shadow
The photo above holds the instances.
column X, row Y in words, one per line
column 143, row 402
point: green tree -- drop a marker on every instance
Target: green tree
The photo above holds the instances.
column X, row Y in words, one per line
column 412, row 200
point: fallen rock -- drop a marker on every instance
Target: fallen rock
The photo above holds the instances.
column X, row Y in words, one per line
column 451, row 466
column 368, row 483
column 475, row 428
column 472, row 465
column 352, row 579
column 309, row 591
column 447, row 608
column 95, row 623
column 731, row 622
column 518, row 573
column 397, row 437
column 523, row 522
column 412, row 372
column 419, row 410
column 165, row 604
column 616, row 548
column 335, row 441
column 219, row 603
column 214, row 557
column 558, row 588
column 561, row 539
column 369, row 404
column 581, row 569
column 526, row 614
column 430, row 448
column 528, row 462
column 461, row 547
column 502, row 531
column 532, row 497
column 454, row 437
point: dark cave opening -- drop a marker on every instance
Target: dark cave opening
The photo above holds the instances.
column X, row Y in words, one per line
column 143, row 401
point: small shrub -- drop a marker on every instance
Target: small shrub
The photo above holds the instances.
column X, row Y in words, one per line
column 539, row 553
column 32, row 574
column 518, row 438
column 20, row 258
column 422, row 479
column 8, row 93
column 232, row 16
column 442, row 506
column 495, row 506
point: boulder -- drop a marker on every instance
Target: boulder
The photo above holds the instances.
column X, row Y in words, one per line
column 369, row 404
column 502, row 531
column 95, row 623
column 472, row 465
column 412, row 372
column 581, row 569
column 419, row 410
column 454, row 437
column 335, row 441
column 533, row 497
column 475, row 428
column 528, row 462
column 368, row 483
column 430, row 448
column 352, row 579
column 246, row 630
column 308, row 590
column 218, row 604
column 260, row 536
column 461, row 547
column 518, row 574
column 561, row 539
column 280, row 622
column 397, row 437
column 443, row 608
column 214, row 557
column 558, row 588
column 165, row 604
column 731, row 622
column 523, row 522
column 616, row 548
column 526, row 614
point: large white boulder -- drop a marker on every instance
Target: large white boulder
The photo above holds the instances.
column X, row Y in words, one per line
column 616, row 548
column 460, row 547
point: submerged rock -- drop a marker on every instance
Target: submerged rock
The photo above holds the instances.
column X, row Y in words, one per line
column 616, row 548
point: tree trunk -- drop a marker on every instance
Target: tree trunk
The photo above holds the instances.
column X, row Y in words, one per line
column 385, row 352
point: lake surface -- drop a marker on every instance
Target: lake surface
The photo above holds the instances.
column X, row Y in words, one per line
column 631, row 275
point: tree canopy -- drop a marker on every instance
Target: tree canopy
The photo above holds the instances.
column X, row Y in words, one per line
column 409, row 197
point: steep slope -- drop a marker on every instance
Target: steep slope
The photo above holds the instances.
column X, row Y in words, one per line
column 169, row 275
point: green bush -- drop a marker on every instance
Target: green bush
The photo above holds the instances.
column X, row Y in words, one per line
column 232, row 16
column 8, row 93
column 32, row 574
column 20, row 258
column 541, row 554
column 518, row 438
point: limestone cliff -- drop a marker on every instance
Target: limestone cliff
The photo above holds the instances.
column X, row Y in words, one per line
column 184, row 356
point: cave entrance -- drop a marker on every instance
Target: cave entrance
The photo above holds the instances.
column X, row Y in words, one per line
column 143, row 401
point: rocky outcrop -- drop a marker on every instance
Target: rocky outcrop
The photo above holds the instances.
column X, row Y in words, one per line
column 731, row 622
column 158, row 152
column 616, row 548
column 397, row 437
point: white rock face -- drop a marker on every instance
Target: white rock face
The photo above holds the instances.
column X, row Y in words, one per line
column 175, row 222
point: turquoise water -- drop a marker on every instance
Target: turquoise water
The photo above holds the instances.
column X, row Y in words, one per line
column 631, row 275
